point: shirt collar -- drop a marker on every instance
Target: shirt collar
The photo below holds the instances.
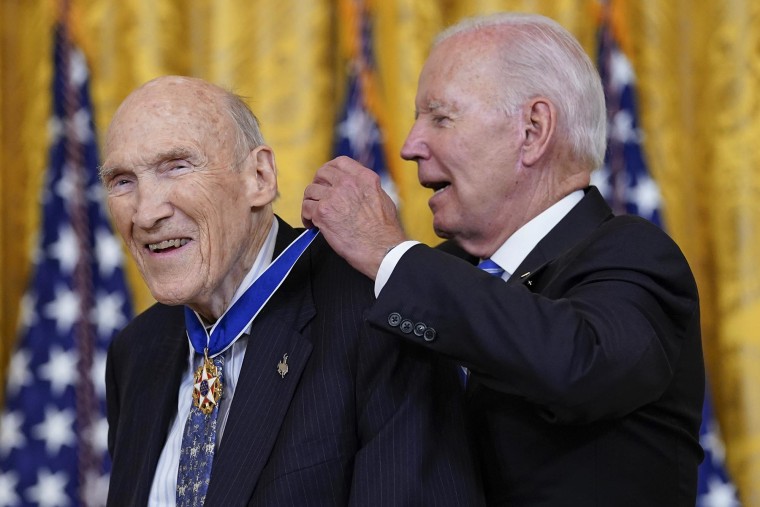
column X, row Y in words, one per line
column 517, row 247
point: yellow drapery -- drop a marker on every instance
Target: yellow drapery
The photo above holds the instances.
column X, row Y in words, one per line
column 698, row 70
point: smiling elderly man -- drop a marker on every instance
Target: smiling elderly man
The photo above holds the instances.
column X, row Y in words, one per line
column 234, row 389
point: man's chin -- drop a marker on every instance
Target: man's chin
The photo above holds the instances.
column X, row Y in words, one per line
column 442, row 230
column 169, row 297
column 442, row 233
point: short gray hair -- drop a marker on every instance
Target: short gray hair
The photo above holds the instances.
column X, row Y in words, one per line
column 541, row 58
column 248, row 130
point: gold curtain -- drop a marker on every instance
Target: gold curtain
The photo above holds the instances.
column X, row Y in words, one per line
column 698, row 70
column 699, row 86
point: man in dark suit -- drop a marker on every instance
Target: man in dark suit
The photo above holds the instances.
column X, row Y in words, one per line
column 585, row 373
column 285, row 396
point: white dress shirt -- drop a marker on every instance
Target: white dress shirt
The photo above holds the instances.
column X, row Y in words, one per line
column 163, row 491
column 510, row 254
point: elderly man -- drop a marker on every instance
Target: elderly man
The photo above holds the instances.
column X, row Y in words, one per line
column 253, row 381
column 583, row 353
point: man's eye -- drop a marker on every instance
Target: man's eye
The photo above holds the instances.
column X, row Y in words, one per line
column 441, row 119
column 119, row 184
column 177, row 166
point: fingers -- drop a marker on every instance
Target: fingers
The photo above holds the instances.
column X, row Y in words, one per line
column 343, row 169
column 330, row 173
column 307, row 212
column 311, row 197
column 357, row 218
column 342, row 190
column 315, row 191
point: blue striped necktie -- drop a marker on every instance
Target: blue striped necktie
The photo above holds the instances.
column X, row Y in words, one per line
column 491, row 267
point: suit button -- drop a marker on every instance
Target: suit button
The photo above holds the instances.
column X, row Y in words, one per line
column 394, row 319
column 406, row 326
column 419, row 329
column 429, row 334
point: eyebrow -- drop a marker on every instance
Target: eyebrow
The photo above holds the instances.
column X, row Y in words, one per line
column 432, row 106
column 176, row 153
column 105, row 172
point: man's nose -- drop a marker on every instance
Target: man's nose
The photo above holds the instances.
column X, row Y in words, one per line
column 414, row 147
column 153, row 205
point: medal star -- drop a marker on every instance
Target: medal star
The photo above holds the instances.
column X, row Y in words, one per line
column 206, row 388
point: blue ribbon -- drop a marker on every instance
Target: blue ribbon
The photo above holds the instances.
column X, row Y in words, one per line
column 236, row 319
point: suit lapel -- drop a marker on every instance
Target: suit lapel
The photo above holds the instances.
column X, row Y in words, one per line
column 163, row 364
column 586, row 216
column 263, row 395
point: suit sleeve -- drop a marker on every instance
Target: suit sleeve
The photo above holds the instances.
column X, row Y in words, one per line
column 594, row 334
column 413, row 445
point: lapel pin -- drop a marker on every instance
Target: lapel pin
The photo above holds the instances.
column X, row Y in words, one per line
column 525, row 274
column 282, row 366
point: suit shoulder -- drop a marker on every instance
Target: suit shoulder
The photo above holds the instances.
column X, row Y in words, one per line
column 635, row 245
column 636, row 235
column 157, row 319
column 157, row 314
column 328, row 265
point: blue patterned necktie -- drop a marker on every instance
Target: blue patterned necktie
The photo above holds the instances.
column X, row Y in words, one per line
column 199, row 437
column 491, row 267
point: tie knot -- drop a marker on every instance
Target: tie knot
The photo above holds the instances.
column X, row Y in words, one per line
column 491, row 267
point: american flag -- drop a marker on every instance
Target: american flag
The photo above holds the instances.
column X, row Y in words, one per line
column 53, row 432
column 357, row 133
column 626, row 184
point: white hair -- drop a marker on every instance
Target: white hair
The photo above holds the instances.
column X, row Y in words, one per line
column 247, row 130
column 541, row 58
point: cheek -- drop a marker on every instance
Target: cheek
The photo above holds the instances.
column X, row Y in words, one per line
column 205, row 203
column 121, row 215
column 220, row 216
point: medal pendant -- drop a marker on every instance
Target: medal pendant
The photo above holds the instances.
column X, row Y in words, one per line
column 207, row 385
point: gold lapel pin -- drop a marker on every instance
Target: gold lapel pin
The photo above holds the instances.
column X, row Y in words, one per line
column 282, row 366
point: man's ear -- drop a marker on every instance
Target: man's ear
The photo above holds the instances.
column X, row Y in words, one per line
column 262, row 180
column 540, row 124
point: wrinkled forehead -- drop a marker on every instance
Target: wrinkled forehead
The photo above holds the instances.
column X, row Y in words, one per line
column 463, row 64
column 468, row 51
column 182, row 104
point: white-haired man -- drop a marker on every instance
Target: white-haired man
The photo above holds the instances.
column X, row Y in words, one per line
column 583, row 356
column 254, row 380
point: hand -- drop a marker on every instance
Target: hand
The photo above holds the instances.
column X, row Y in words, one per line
column 357, row 218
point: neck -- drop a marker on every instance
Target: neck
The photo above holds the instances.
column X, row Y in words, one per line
column 528, row 207
column 214, row 306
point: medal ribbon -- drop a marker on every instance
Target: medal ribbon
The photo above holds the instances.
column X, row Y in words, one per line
column 238, row 317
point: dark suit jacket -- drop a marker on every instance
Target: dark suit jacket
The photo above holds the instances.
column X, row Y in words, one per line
column 587, row 375
column 359, row 419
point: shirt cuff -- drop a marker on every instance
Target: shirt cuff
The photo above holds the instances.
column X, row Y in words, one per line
column 389, row 264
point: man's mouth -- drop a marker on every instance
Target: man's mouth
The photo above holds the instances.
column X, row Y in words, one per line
column 168, row 244
column 437, row 187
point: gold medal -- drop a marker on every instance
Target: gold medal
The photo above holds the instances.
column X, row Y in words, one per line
column 207, row 385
